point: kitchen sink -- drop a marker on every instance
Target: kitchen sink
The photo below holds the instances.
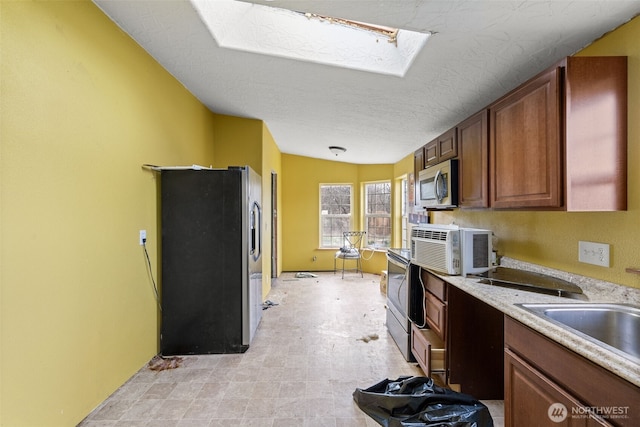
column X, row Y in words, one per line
column 615, row 326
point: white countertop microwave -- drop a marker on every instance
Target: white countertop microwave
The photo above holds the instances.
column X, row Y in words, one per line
column 438, row 186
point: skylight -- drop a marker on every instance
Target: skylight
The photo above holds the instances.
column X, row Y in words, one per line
column 307, row 37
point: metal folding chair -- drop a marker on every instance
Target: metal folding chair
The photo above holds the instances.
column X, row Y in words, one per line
column 350, row 252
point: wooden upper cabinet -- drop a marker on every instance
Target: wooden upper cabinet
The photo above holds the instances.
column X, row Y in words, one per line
column 418, row 161
column 418, row 165
column 596, row 133
column 525, row 145
column 447, row 145
column 431, row 153
column 442, row 148
column 473, row 161
column 559, row 141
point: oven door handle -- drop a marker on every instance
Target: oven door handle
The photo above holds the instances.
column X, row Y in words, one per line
column 397, row 262
column 405, row 268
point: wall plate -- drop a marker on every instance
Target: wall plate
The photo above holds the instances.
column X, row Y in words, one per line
column 594, row 253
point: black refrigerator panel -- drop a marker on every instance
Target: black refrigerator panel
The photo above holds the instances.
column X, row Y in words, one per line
column 204, row 230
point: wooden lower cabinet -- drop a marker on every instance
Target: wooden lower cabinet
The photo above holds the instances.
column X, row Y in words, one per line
column 436, row 314
column 428, row 345
column 434, row 284
column 535, row 400
column 464, row 339
column 542, row 378
column 428, row 349
column 475, row 346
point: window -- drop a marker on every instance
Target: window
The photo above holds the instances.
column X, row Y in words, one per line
column 377, row 214
column 335, row 214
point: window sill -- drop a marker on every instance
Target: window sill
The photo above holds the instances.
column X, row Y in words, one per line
column 383, row 250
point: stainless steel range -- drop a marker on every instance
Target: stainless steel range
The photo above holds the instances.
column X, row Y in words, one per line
column 399, row 274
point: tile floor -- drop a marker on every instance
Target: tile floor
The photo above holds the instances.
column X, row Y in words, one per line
column 309, row 354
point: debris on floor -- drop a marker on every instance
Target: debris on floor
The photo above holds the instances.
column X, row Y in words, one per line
column 303, row 275
column 268, row 304
column 159, row 363
column 370, row 337
column 418, row 402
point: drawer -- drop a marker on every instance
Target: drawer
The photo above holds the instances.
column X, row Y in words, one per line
column 436, row 314
column 435, row 285
column 428, row 350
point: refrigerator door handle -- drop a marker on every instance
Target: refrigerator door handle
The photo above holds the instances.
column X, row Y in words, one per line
column 256, row 234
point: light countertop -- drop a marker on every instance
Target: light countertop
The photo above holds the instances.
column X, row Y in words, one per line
column 594, row 291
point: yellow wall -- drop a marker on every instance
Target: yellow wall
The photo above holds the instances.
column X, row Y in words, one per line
column 83, row 108
column 551, row 238
column 271, row 164
column 302, row 177
column 239, row 142
column 404, row 166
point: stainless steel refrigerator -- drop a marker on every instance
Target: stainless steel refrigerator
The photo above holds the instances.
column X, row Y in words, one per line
column 211, row 286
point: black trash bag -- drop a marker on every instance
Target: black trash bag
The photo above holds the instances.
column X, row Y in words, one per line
column 418, row 402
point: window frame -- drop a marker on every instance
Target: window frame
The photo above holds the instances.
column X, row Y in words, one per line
column 366, row 215
column 334, row 239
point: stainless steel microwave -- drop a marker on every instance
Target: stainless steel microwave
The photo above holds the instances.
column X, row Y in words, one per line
column 438, row 186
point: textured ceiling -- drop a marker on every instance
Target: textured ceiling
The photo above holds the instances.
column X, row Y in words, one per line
column 480, row 50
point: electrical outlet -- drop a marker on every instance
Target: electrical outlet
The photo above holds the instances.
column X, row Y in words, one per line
column 143, row 237
column 593, row 253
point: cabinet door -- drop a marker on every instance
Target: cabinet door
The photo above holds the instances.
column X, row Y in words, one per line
column 587, row 382
column 435, row 285
column 418, row 161
column 421, row 349
column 596, row 133
column 418, row 165
column 447, row 145
column 431, row 153
column 444, row 147
column 525, row 145
column 532, row 399
column 473, row 161
column 428, row 350
column 436, row 314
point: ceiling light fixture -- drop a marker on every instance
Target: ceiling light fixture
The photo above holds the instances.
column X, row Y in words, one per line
column 337, row 150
